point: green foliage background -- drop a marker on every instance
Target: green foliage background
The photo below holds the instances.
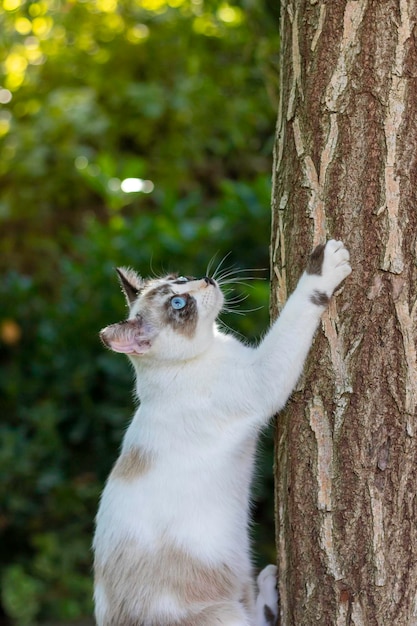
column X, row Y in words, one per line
column 92, row 92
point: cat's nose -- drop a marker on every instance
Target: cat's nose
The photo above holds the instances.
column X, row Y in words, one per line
column 209, row 280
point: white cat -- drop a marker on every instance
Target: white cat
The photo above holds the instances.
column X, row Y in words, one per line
column 171, row 543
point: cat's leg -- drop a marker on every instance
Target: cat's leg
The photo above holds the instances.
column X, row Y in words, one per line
column 280, row 357
column 267, row 599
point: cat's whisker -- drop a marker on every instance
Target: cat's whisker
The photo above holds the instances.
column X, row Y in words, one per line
column 236, row 299
column 236, row 270
column 242, row 312
column 220, row 265
column 210, row 263
column 223, row 324
column 231, row 304
column 151, row 266
column 234, row 303
column 237, row 281
column 232, row 272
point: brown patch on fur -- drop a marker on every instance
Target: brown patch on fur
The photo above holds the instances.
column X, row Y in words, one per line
column 160, row 290
column 211, row 616
column 133, row 580
column 315, row 262
column 183, row 321
column 320, row 298
column 205, row 583
column 268, row 614
column 248, row 597
column 131, row 464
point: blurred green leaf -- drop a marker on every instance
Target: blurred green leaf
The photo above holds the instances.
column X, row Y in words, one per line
column 20, row 595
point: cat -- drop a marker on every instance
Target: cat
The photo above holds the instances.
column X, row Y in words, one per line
column 171, row 543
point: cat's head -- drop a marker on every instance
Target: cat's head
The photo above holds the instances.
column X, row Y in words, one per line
column 169, row 318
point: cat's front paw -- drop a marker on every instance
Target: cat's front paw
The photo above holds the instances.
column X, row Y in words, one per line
column 329, row 265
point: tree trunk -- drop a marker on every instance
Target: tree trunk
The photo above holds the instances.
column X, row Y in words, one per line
column 346, row 446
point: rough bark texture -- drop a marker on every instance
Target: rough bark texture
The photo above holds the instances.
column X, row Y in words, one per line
column 346, row 447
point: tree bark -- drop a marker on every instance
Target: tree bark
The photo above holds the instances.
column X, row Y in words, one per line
column 346, row 446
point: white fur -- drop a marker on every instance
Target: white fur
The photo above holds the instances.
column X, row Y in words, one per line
column 203, row 401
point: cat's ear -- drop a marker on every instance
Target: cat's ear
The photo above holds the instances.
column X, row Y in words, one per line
column 131, row 283
column 129, row 337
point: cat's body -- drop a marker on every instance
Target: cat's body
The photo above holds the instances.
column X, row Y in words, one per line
column 171, row 544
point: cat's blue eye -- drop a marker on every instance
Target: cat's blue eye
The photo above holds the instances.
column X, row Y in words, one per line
column 178, row 302
column 181, row 279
